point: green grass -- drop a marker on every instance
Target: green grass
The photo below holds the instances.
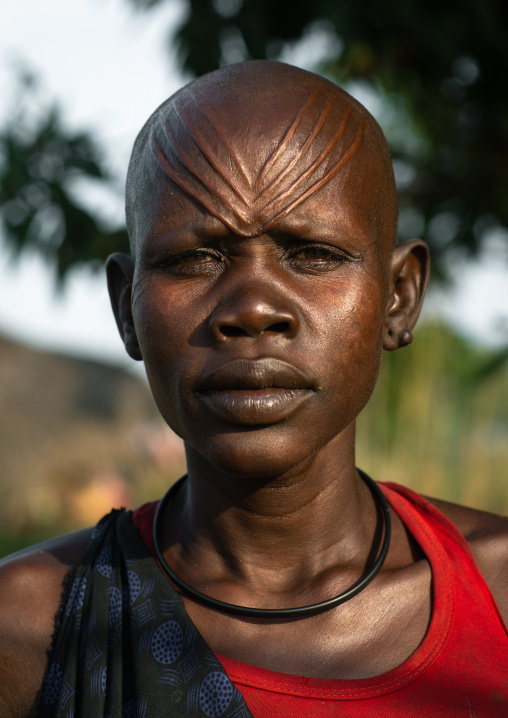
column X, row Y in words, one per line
column 438, row 420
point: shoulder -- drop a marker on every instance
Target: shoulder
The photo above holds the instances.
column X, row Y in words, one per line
column 30, row 593
column 487, row 536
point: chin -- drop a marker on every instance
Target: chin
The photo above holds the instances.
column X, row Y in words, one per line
column 255, row 454
column 262, row 454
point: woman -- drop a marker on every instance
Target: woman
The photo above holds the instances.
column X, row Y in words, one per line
column 274, row 578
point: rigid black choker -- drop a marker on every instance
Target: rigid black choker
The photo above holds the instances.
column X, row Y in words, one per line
column 279, row 613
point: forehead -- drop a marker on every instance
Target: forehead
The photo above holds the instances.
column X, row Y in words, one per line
column 335, row 215
column 252, row 148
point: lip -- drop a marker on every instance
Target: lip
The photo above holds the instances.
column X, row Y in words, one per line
column 255, row 392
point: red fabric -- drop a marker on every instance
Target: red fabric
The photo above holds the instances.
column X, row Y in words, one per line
column 460, row 668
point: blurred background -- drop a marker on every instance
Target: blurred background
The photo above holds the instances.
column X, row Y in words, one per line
column 78, row 430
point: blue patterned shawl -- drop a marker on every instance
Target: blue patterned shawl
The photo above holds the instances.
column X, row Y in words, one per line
column 124, row 646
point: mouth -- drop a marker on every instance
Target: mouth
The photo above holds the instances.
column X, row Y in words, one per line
column 255, row 392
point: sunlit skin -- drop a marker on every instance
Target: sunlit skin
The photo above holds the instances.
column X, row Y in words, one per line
column 217, row 299
column 262, row 335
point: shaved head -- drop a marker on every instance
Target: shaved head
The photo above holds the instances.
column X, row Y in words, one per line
column 250, row 142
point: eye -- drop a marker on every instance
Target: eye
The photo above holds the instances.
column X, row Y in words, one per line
column 199, row 257
column 193, row 262
column 316, row 257
column 312, row 254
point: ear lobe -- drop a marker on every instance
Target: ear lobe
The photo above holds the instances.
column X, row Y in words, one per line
column 120, row 273
column 410, row 268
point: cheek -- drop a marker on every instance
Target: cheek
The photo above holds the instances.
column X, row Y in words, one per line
column 366, row 319
column 160, row 318
column 356, row 348
column 163, row 336
column 356, row 314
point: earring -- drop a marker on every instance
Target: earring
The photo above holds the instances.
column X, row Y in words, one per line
column 405, row 337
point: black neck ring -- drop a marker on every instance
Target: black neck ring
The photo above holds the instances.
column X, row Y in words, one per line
column 278, row 613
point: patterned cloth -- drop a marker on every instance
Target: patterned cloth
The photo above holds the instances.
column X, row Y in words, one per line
column 124, row 646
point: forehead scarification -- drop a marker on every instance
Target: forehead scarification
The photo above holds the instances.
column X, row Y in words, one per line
column 209, row 154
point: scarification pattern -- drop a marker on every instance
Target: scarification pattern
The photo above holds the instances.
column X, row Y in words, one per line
column 196, row 154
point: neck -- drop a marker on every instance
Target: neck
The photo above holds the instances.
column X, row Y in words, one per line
column 313, row 516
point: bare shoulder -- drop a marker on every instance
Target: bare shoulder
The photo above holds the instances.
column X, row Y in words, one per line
column 30, row 593
column 487, row 536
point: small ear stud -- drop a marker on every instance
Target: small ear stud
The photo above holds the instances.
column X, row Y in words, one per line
column 405, row 337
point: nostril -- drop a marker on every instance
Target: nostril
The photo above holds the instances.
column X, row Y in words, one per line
column 278, row 327
column 231, row 331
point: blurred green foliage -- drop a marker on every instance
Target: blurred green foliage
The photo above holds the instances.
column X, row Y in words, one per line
column 39, row 162
column 438, row 420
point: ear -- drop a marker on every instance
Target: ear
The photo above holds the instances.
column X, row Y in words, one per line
column 120, row 272
column 410, row 266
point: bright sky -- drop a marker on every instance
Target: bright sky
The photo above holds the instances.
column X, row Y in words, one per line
column 108, row 67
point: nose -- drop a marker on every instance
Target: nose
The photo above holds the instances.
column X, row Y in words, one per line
column 254, row 310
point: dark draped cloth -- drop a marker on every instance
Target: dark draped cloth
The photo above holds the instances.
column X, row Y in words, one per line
column 124, row 646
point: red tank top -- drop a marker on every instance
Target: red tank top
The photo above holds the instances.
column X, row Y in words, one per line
column 460, row 668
